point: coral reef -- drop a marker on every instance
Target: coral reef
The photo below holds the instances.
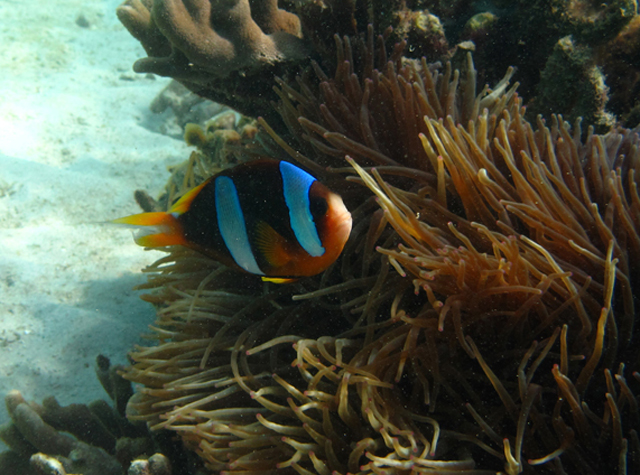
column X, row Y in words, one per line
column 584, row 94
column 217, row 49
column 219, row 143
column 186, row 41
column 33, row 435
column 211, row 38
column 620, row 64
column 185, row 107
column 157, row 464
column 526, row 34
column 49, row 439
column 481, row 318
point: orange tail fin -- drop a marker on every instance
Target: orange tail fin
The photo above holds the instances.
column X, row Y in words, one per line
column 159, row 229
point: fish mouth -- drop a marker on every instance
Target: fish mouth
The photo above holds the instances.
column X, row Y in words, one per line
column 345, row 216
column 339, row 218
column 345, row 223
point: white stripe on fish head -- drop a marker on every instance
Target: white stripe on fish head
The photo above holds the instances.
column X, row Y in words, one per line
column 296, row 184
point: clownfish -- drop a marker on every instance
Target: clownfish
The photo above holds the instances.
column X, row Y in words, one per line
column 266, row 217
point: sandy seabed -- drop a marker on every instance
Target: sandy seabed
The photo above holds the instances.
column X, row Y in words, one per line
column 76, row 139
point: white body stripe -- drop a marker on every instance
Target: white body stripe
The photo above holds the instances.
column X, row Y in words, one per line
column 232, row 225
column 296, row 184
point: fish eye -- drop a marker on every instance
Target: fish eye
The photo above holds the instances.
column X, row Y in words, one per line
column 318, row 206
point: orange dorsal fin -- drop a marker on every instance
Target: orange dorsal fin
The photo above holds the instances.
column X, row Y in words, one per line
column 183, row 204
column 159, row 229
column 272, row 245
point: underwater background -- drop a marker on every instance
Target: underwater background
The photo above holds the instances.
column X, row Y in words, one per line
column 77, row 138
column 492, row 265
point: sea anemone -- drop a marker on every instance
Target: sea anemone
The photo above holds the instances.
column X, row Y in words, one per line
column 480, row 319
column 532, row 280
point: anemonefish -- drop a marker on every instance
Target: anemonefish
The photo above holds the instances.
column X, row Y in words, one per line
column 266, row 217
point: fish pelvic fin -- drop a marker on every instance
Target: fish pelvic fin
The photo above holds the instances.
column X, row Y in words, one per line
column 157, row 229
column 278, row 280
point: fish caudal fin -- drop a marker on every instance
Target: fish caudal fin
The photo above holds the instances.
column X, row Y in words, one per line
column 158, row 229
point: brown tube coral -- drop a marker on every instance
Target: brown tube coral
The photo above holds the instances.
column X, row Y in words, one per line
column 213, row 47
column 212, row 36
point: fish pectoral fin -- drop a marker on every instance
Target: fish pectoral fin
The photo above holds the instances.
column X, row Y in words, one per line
column 272, row 245
column 278, row 280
